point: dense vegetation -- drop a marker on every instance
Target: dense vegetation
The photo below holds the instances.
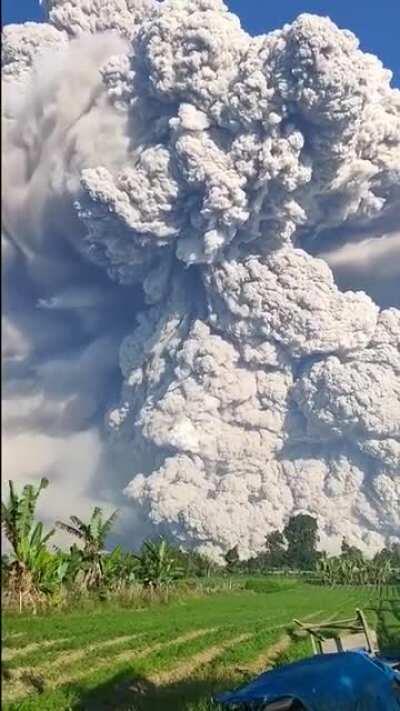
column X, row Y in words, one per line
column 161, row 627
column 295, row 549
column 173, row 656
column 33, row 575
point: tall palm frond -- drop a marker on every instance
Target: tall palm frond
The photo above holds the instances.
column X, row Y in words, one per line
column 93, row 536
column 27, row 504
column 70, row 529
column 30, row 559
column 17, row 516
column 80, row 525
column 108, row 524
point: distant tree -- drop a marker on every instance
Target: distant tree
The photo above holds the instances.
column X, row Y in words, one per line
column 395, row 555
column 194, row 564
column 231, row 558
column 390, row 554
column 276, row 550
column 350, row 552
column 301, row 534
column 259, row 563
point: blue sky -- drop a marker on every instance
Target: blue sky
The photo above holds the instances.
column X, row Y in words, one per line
column 375, row 22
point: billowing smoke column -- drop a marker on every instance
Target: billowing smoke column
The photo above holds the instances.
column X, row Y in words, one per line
column 200, row 170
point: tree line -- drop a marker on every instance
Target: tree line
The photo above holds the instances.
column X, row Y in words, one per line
column 295, row 548
column 33, row 573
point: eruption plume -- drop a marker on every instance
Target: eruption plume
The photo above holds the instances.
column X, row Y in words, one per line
column 174, row 192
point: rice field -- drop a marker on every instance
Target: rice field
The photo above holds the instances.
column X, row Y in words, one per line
column 173, row 656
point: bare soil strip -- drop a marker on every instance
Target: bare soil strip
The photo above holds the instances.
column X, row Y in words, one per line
column 126, row 656
column 28, row 648
column 13, row 635
column 187, row 667
column 75, row 655
column 266, row 659
column 22, row 678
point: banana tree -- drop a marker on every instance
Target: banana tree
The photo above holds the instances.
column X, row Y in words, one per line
column 158, row 566
column 29, row 554
column 119, row 568
column 92, row 536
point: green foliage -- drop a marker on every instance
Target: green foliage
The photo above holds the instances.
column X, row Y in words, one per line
column 258, row 565
column 276, row 549
column 270, row 585
column 350, row 552
column 36, row 575
column 294, row 548
column 391, row 555
column 196, row 565
column 342, row 570
column 17, row 519
column 92, row 535
column 119, row 568
column 158, row 564
column 232, row 558
column 301, row 534
column 82, row 668
column 28, row 569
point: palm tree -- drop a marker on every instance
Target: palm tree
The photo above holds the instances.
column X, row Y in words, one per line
column 27, row 538
column 93, row 536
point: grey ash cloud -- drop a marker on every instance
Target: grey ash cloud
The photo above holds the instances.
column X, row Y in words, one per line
column 170, row 184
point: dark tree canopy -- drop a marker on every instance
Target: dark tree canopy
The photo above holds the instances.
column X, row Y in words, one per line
column 276, row 549
column 232, row 557
column 301, row 534
column 350, row 552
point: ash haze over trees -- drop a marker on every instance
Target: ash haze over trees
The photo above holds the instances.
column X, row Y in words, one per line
column 169, row 184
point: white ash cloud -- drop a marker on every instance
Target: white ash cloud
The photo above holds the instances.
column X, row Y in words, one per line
column 160, row 147
column 289, row 298
column 23, row 43
column 91, row 16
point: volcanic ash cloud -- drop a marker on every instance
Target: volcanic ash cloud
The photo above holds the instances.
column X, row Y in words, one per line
column 193, row 166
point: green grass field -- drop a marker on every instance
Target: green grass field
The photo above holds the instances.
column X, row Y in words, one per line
column 172, row 656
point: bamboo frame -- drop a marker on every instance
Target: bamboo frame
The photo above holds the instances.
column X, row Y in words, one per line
column 320, row 633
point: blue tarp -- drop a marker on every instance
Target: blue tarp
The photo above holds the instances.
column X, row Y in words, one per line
column 349, row 681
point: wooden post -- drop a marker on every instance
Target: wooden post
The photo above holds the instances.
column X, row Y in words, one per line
column 364, row 623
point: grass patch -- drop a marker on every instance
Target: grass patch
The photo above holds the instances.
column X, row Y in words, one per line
column 270, row 585
column 172, row 656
